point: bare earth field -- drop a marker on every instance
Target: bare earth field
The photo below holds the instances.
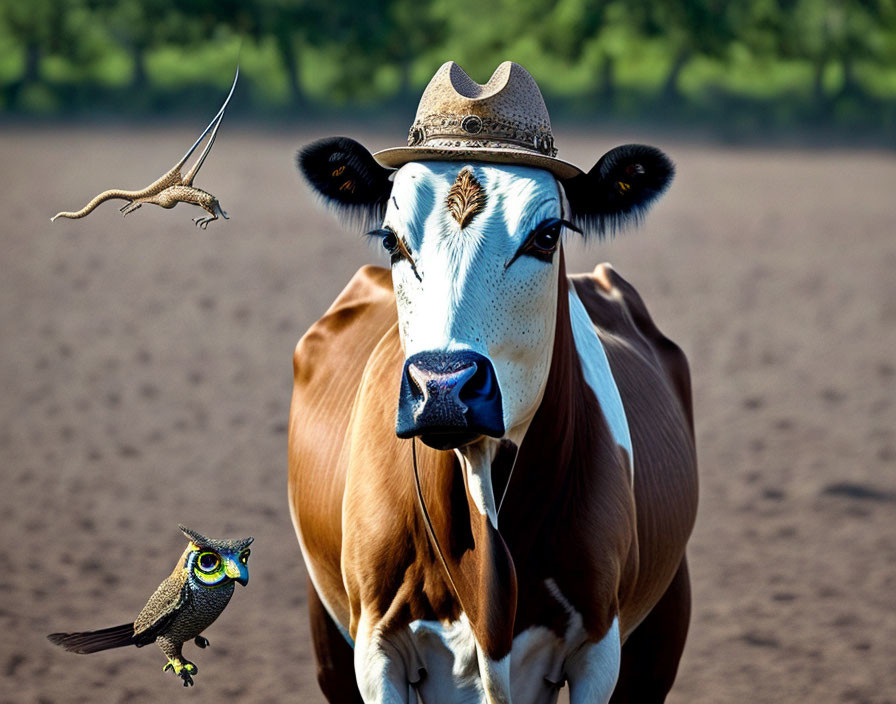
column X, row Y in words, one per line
column 145, row 379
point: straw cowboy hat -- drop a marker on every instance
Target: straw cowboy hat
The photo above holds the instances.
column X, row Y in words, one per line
column 504, row 121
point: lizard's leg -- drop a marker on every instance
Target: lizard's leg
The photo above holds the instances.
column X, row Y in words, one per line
column 206, row 201
column 215, row 210
column 131, row 207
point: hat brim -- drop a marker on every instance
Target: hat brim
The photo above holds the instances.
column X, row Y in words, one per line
column 399, row 156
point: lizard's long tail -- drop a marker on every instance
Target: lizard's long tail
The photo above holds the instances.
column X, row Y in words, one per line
column 101, row 198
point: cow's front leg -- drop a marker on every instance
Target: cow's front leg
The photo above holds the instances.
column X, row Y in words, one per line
column 495, row 676
column 379, row 666
column 593, row 669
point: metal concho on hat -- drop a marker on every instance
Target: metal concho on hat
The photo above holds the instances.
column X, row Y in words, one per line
column 474, row 131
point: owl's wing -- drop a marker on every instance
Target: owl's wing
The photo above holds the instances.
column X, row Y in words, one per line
column 171, row 596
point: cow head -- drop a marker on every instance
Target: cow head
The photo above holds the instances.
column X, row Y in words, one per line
column 475, row 266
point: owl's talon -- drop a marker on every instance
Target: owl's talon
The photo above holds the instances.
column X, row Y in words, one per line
column 183, row 669
column 201, row 642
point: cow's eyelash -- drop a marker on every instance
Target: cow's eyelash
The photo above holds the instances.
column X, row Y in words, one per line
column 545, row 254
column 380, row 233
column 396, row 247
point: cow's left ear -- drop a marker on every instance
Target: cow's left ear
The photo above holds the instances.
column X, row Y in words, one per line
column 619, row 189
column 348, row 179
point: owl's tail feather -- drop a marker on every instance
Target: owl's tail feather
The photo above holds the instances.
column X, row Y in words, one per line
column 94, row 641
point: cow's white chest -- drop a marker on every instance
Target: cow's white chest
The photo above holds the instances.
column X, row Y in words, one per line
column 444, row 666
column 452, row 670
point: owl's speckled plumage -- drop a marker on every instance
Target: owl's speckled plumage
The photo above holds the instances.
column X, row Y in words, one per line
column 183, row 606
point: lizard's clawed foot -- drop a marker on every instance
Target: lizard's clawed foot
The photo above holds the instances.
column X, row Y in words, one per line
column 201, row 642
column 183, row 669
column 130, row 208
column 203, row 222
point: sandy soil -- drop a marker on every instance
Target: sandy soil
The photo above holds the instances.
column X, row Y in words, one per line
column 146, row 373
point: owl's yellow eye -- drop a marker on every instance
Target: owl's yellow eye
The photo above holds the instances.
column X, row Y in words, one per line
column 208, row 561
column 244, row 556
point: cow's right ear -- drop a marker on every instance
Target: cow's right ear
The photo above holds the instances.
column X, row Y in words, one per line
column 348, row 179
column 619, row 188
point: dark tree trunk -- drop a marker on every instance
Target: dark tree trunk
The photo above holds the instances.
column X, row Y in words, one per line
column 670, row 92
column 30, row 74
column 851, row 87
column 607, row 90
column 406, row 90
column 819, row 95
column 287, row 49
column 139, row 80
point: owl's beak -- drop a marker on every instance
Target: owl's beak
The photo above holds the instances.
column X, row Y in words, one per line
column 237, row 571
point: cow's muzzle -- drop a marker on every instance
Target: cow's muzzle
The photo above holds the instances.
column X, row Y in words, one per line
column 449, row 399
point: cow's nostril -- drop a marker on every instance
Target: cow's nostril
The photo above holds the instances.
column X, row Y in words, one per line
column 448, row 385
column 482, row 387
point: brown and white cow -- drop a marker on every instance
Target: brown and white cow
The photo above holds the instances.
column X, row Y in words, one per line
column 534, row 533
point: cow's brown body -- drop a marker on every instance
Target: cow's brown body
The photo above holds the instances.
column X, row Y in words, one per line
column 570, row 516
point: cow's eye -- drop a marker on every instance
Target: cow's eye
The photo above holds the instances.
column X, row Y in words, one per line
column 394, row 245
column 388, row 239
column 543, row 240
column 390, row 242
column 546, row 236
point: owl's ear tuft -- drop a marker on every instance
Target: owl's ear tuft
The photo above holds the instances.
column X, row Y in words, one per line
column 194, row 536
column 348, row 179
column 244, row 543
column 619, row 189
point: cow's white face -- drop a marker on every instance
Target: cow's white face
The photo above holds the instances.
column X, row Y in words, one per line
column 489, row 286
column 475, row 271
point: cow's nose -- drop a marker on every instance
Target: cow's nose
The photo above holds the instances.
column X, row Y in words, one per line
column 443, row 390
column 449, row 399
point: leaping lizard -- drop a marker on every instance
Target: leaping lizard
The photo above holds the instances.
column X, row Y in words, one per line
column 173, row 187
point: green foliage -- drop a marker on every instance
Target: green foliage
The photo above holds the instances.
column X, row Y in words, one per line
column 828, row 61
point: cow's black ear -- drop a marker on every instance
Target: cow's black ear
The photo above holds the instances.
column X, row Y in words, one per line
column 619, row 189
column 348, row 179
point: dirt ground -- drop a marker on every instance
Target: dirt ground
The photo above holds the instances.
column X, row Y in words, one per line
column 146, row 374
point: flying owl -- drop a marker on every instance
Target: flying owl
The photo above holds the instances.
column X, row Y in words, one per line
column 183, row 606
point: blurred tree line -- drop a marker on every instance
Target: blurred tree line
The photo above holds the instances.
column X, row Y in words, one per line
column 757, row 63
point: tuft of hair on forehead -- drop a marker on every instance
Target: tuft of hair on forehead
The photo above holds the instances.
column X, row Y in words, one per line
column 466, row 197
